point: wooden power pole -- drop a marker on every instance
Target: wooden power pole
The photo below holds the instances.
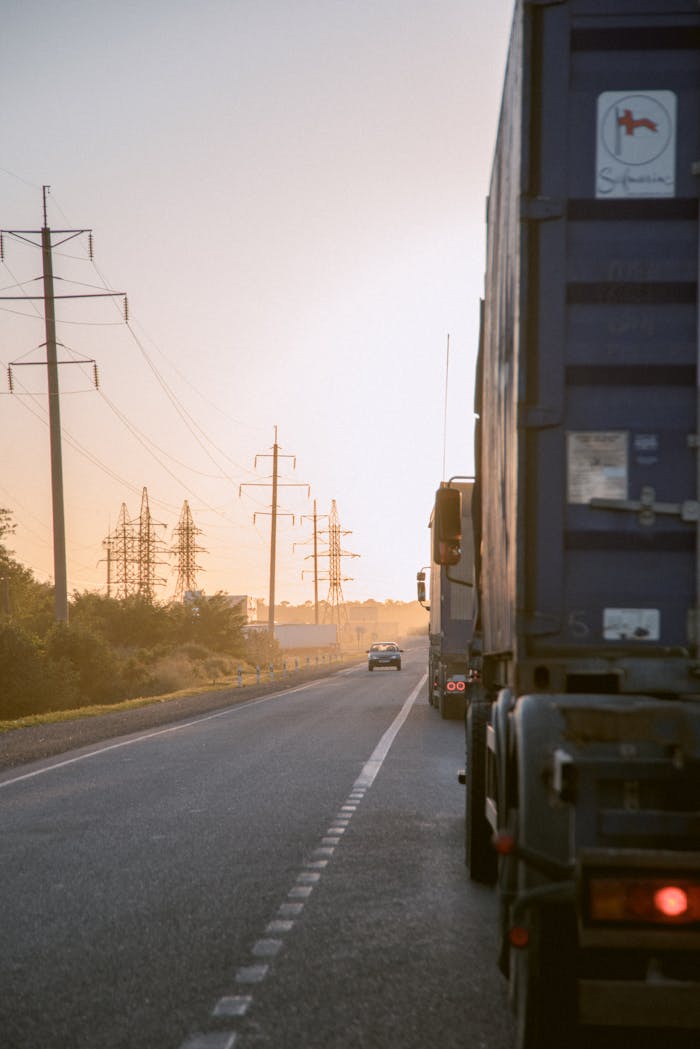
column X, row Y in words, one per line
column 52, row 363
column 274, row 513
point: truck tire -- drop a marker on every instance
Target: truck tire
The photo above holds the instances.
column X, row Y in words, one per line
column 543, row 983
column 480, row 856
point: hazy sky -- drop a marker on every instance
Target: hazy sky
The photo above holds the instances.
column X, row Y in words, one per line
column 292, row 193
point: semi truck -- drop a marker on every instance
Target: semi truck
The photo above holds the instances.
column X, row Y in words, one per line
column 583, row 724
column 452, row 613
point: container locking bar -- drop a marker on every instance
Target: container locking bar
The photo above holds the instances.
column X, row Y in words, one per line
column 647, row 507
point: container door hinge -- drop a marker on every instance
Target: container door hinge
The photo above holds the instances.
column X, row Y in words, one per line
column 541, row 209
column 537, row 417
column 647, row 507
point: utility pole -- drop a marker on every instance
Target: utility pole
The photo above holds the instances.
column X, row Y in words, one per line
column 107, row 544
column 59, row 526
column 52, row 363
column 273, row 542
column 276, row 484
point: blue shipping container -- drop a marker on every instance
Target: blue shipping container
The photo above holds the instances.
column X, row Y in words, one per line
column 587, row 400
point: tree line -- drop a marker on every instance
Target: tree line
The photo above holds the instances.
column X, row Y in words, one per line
column 110, row 649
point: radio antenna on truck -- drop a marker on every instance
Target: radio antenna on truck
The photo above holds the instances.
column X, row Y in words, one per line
column 444, row 425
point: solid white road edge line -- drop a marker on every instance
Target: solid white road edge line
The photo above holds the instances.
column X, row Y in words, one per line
column 141, row 738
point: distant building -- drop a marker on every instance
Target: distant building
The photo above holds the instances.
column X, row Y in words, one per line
column 299, row 637
column 248, row 606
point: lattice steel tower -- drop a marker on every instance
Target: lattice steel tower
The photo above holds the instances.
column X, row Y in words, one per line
column 121, row 557
column 335, row 610
column 186, row 549
column 149, row 547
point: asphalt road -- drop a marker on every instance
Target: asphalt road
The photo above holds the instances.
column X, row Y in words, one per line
column 284, row 873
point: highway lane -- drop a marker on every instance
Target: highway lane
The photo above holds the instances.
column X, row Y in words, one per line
column 251, row 877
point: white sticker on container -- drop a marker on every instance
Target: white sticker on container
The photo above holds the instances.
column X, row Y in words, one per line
column 596, row 465
column 631, row 624
column 636, row 144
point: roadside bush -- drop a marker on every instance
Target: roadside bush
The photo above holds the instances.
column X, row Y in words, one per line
column 32, row 682
column 93, row 664
column 257, row 650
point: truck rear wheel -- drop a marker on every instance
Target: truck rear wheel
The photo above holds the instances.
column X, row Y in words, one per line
column 543, row 983
column 480, row 855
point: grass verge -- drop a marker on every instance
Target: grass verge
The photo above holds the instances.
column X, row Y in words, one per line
column 224, row 684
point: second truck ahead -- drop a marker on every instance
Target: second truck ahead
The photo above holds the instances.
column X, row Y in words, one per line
column 452, row 611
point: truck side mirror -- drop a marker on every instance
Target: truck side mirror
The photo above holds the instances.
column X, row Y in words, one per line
column 420, row 580
column 447, row 526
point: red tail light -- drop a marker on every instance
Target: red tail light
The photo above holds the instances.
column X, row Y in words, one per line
column 671, row 901
column 654, row 901
column 518, row 936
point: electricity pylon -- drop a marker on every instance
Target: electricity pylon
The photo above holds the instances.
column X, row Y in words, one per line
column 186, row 549
column 121, row 556
column 149, row 546
column 335, row 610
column 52, row 363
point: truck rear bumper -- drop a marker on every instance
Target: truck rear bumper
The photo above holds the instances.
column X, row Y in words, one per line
column 633, row 1003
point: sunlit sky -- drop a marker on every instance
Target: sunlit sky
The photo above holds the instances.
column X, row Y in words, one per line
column 292, row 194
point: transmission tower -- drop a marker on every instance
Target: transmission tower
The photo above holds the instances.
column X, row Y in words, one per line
column 121, row 557
column 335, row 610
column 186, row 549
column 149, row 546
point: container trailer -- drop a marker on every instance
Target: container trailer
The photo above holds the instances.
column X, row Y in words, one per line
column 583, row 724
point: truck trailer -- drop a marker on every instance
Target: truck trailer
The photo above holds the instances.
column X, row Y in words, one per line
column 583, row 724
column 452, row 614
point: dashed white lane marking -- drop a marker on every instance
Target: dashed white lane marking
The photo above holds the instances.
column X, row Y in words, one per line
column 233, row 1005
column 213, row 1040
column 308, row 878
column 237, row 1005
column 252, row 973
column 266, row 948
column 279, row 926
column 292, row 910
column 300, row 892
